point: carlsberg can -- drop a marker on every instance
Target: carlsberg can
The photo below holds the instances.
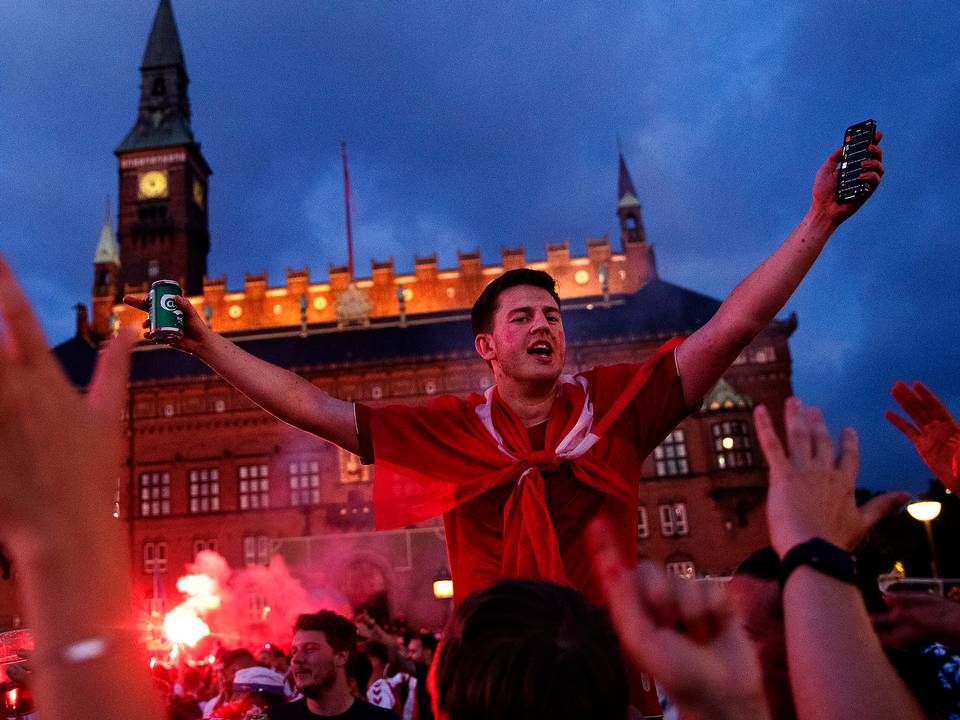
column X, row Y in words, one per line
column 166, row 319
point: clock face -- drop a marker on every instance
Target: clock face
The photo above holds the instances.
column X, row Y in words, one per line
column 153, row 184
column 198, row 193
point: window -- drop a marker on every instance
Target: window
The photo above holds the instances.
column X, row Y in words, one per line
column 204, row 490
column 673, row 519
column 643, row 526
column 154, row 494
column 254, row 487
column 305, row 482
column 258, row 607
column 154, row 557
column 670, row 456
column 256, row 550
column 200, row 545
column 681, row 568
column 732, row 445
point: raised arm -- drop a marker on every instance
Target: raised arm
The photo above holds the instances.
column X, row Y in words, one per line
column 282, row 393
column 750, row 307
column 837, row 666
column 60, row 455
column 936, row 435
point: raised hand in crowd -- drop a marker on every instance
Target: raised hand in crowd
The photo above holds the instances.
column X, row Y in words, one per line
column 918, row 618
column 825, row 183
column 934, row 432
column 681, row 632
column 196, row 334
column 60, row 456
column 836, row 663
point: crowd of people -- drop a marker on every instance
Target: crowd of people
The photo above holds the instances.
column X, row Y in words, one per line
column 537, row 481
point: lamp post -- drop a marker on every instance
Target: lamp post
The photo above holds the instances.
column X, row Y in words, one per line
column 926, row 511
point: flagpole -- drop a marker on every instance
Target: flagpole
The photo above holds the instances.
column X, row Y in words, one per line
column 346, row 197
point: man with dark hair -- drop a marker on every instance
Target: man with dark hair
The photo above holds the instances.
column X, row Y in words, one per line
column 485, row 307
column 530, row 649
column 420, row 651
column 230, row 663
column 322, row 656
column 518, row 471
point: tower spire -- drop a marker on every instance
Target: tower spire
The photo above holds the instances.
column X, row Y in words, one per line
column 107, row 250
column 163, row 45
column 626, row 194
column 628, row 207
column 164, row 114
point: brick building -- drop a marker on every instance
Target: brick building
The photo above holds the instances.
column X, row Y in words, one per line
column 206, row 469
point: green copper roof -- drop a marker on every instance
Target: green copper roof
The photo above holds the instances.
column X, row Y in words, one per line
column 145, row 135
column 107, row 249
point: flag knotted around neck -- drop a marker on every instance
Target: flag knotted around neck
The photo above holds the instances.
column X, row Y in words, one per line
column 432, row 459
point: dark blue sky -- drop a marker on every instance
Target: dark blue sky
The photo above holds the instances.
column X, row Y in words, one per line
column 494, row 124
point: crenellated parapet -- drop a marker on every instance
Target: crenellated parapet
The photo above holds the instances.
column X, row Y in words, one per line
column 429, row 288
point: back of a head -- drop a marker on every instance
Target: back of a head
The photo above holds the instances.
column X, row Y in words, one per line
column 481, row 315
column 530, row 649
column 234, row 660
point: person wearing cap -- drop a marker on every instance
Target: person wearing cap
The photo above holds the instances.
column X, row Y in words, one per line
column 258, row 687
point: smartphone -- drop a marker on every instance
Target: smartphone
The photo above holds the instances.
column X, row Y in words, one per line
column 856, row 143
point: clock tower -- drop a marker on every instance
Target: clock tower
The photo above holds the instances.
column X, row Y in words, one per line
column 162, row 227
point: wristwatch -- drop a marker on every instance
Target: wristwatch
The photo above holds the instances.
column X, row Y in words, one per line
column 822, row 556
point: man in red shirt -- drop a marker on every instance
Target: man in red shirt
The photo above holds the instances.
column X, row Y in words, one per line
column 520, row 471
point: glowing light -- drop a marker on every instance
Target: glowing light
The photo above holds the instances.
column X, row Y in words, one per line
column 898, row 568
column 235, row 311
column 581, row 277
column 183, row 626
column 727, row 443
column 153, row 663
column 13, row 695
column 277, row 308
column 201, row 591
column 443, row 589
column 320, row 303
column 924, row 510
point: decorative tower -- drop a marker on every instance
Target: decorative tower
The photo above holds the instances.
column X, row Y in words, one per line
column 641, row 262
column 106, row 271
column 162, row 219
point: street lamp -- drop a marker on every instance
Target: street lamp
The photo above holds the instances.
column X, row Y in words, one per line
column 926, row 511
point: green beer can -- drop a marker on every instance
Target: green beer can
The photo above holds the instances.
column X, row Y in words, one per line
column 166, row 319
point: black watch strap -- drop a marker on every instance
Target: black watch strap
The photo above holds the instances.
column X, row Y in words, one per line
column 823, row 557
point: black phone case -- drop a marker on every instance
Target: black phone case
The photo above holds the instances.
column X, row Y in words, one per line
column 856, row 141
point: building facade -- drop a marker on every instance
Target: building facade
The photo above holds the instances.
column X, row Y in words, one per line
column 208, row 470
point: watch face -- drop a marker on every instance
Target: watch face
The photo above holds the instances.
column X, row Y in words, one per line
column 153, row 184
column 198, row 193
